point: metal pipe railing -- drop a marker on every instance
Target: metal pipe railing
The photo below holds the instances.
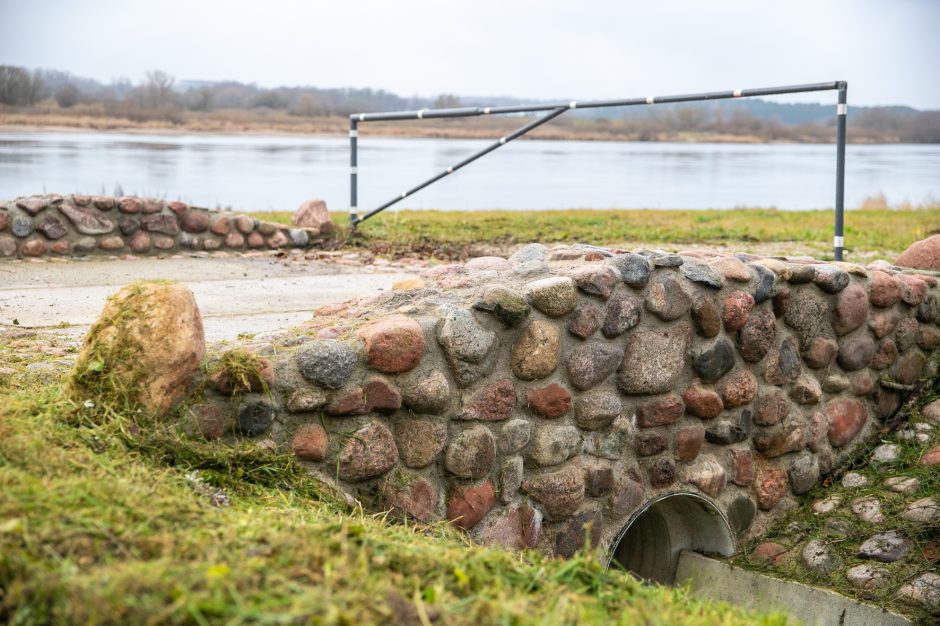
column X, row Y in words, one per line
column 558, row 108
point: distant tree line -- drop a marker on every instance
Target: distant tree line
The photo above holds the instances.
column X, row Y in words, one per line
column 160, row 96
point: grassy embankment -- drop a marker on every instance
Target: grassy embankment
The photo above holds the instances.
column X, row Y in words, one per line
column 869, row 233
column 109, row 518
column 843, row 533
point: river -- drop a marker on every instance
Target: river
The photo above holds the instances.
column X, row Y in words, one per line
column 274, row 172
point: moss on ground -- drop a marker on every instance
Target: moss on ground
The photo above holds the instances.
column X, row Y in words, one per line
column 109, row 518
column 459, row 234
column 844, row 532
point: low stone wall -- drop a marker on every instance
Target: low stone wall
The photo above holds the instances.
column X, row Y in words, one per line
column 79, row 225
column 529, row 399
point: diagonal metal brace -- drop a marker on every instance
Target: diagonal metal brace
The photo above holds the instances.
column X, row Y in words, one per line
column 502, row 141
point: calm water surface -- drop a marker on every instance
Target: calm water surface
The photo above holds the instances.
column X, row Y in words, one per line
column 256, row 172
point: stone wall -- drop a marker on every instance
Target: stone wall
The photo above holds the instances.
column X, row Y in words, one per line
column 529, row 398
column 76, row 225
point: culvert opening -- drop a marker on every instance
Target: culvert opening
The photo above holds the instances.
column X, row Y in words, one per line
column 649, row 544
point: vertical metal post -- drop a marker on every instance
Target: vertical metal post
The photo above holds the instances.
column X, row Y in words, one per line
column 838, row 241
column 353, row 173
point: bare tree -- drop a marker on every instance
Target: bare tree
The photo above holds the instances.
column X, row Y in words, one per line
column 67, row 96
column 18, row 87
column 158, row 90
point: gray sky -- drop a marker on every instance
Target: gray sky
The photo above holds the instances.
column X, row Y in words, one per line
column 888, row 50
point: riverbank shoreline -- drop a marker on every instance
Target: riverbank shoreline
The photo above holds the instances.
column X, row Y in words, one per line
column 334, row 127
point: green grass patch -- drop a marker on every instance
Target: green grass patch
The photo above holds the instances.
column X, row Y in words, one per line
column 110, row 518
column 458, row 234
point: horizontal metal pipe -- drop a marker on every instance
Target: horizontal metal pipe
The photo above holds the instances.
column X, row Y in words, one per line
column 502, row 141
column 591, row 104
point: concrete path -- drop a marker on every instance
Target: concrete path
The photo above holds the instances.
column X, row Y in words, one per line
column 234, row 294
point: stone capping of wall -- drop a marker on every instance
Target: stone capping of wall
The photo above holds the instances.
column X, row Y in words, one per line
column 534, row 399
column 77, row 225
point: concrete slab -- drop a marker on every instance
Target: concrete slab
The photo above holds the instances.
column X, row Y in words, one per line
column 813, row 606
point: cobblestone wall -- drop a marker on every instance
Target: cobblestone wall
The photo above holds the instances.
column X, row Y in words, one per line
column 527, row 398
column 79, row 225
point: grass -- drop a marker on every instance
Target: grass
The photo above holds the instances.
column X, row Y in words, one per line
column 794, row 530
column 107, row 517
column 459, row 234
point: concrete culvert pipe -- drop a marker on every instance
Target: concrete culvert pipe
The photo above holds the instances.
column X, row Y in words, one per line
column 649, row 544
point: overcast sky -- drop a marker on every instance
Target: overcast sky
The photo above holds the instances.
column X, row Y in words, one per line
column 888, row 50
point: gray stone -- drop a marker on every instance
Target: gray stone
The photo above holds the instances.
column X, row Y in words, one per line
column 708, row 475
column 808, row 315
column 766, row 284
column 554, row 443
column 471, row 453
column 922, row 511
column 128, row 226
column 886, row 454
column 510, row 478
column 819, row 559
column 611, row 445
column 654, row 359
column 89, row 221
column 804, row 472
column 923, row 591
column 703, row 274
column 868, row 577
column 667, row 299
column 597, row 410
column 831, row 279
column 886, row 547
column 854, row 480
column 425, row 391
column 85, row 244
column 306, row 400
column 327, row 363
column 591, row 364
column 508, row 305
column 666, row 260
column 634, row 269
column 623, row 313
column 299, row 238
column 530, row 252
column 835, row 383
column 725, row 432
column 867, row 509
column 555, row 296
column 902, row 484
column 596, row 280
column 7, row 246
column 783, row 364
column 855, row 352
column 529, row 269
column 741, row 514
column 21, row 226
column 469, row 348
column 715, row 361
column 805, row 390
column 827, row 505
column 255, row 416
column 514, row 436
